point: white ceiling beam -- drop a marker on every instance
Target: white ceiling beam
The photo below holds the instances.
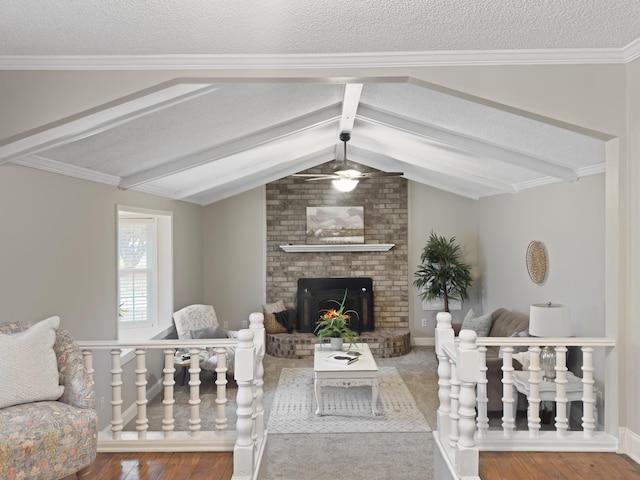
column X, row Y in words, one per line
column 100, row 119
column 253, row 140
column 352, row 92
column 385, row 163
column 463, row 142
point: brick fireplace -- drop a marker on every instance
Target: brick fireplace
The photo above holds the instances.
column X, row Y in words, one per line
column 318, row 294
column 386, row 221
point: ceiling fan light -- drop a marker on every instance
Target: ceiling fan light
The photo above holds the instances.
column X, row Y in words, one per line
column 345, row 184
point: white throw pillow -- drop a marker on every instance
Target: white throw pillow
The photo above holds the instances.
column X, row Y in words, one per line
column 524, row 358
column 29, row 367
column 481, row 325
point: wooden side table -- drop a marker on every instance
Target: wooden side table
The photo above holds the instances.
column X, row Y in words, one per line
column 547, row 391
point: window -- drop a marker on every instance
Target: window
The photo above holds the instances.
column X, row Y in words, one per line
column 145, row 290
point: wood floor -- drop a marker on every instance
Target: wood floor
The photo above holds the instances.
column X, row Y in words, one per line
column 557, row 466
column 493, row 466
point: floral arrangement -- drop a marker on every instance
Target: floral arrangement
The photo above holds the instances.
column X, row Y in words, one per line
column 334, row 323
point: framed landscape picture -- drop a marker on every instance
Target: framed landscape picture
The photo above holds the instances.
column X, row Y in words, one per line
column 335, row 225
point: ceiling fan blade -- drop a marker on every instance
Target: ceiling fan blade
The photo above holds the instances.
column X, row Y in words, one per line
column 325, row 177
column 381, row 174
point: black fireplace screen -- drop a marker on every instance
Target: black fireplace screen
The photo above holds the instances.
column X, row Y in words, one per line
column 318, row 294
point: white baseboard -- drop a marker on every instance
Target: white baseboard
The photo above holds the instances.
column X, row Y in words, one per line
column 629, row 444
column 423, row 341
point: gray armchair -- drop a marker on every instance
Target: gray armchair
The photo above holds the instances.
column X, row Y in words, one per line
column 200, row 321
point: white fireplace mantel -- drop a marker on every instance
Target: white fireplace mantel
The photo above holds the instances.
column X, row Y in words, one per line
column 342, row 247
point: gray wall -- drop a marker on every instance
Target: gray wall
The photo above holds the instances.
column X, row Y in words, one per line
column 569, row 219
column 446, row 215
column 234, row 256
column 58, row 255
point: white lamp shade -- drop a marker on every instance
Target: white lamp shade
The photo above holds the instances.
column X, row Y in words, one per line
column 549, row 320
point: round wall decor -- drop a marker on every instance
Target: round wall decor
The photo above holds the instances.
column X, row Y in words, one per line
column 537, row 262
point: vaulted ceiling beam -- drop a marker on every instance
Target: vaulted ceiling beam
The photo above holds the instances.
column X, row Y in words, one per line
column 466, row 143
column 256, row 139
column 366, row 156
column 100, row 119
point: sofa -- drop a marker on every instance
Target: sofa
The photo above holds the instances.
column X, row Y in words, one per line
column 53, row 434
column 501, row 323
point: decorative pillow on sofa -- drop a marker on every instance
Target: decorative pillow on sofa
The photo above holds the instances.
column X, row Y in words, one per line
column 524, row 358
column 481, row 325
column 209, row 332
column 29, row 367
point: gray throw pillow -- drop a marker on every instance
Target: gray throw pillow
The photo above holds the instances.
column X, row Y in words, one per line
column 481, row 325
column 209, row 332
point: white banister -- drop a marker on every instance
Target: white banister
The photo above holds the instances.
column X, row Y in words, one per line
column 142, row 423
column 482, row 398
column 116, row 394
column 221, row 389
column 535, row 377
column 508, row 417
column 588, row 397
column 466, row 453
column 247, row 441
column 462, row 390
column 168, row 422
column 194, row 391
column 244, row 453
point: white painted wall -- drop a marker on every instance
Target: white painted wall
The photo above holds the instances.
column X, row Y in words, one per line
column 58, row 255
column 447, row 215
column 569, row 219
column 234, row 256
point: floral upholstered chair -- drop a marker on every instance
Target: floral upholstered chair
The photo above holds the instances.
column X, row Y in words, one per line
column 48, row 439
column 199, row 322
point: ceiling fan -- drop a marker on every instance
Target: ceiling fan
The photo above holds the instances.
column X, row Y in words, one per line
column 345, row 175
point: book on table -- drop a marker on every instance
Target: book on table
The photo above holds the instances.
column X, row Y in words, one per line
column 343, row 358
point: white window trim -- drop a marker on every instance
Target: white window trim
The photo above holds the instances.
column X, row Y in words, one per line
column 165, row 273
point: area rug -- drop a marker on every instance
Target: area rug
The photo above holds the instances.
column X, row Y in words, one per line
column 346, row 410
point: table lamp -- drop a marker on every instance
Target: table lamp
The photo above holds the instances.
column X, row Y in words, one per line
column 549, row 320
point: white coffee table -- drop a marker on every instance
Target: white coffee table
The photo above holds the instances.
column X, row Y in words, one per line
column 329, row 374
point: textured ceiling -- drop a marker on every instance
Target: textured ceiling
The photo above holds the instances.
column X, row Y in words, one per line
column 201, row 142
column 74, row 27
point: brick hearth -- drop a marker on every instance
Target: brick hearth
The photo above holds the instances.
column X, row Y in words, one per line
column 384, row 343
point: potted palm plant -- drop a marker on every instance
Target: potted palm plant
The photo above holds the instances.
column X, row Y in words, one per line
column 441, row 273
column 334, row 324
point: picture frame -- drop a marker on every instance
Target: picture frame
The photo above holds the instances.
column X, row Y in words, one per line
column 335, row 225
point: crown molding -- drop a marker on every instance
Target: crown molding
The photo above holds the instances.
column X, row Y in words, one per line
column 284, row 61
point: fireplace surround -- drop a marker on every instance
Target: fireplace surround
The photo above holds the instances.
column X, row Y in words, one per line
column 318, row 294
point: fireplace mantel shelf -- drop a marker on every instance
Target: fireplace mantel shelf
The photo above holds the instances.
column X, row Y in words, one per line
column 342, row 247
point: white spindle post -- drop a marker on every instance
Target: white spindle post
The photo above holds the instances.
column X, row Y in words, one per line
column 508, row 420
column 444, row 334
column 116, row 394
column 194, row 392
column 221, row 389
column 87, row 359
column 535, row 377
column 588, row 397
column 244, row 453
column 256, row 322
column 562, row 422
column 466, row 452
column 142, row 423
column 168, row 422
column 482, row 398
column 455, row 405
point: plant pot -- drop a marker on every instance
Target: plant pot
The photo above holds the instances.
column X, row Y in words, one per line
column 336, row 343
